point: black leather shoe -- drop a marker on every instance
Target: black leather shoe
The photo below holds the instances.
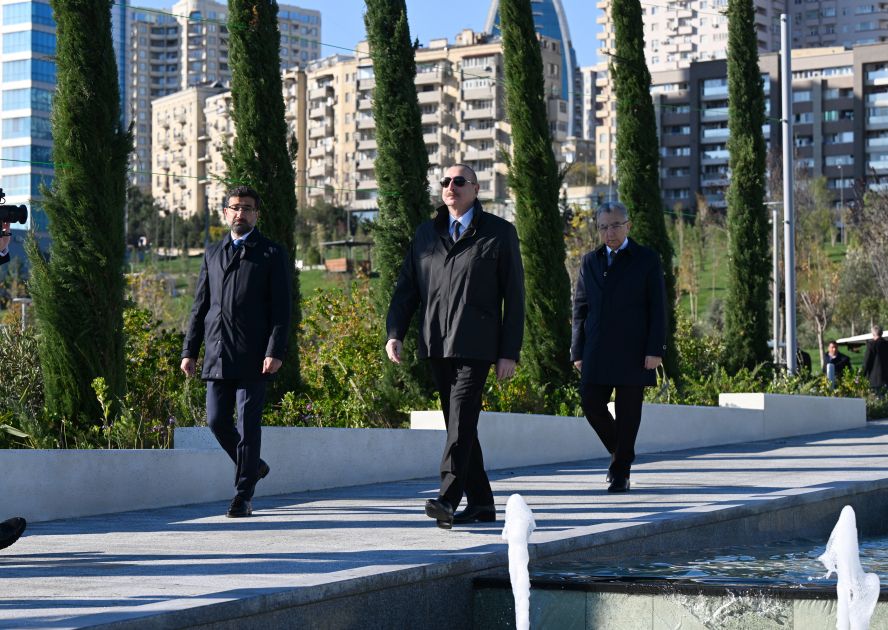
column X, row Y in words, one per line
column 475, row 514
column 11, row 530
column 239, row 508
column 441, row 511
column 264, row 469
column 619, row 484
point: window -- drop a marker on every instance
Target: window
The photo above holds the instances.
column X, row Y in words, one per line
column 24, row 12
column 29, row 69
column 801, row 96
column 35, row 98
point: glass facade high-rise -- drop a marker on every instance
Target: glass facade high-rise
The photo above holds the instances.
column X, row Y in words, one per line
column 157, row 52
column 27, row 84
column 550, row 20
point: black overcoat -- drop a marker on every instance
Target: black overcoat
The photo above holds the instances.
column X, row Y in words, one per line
column 875, row 362
column 469, row 295
column 619, row 316
column 241, row 310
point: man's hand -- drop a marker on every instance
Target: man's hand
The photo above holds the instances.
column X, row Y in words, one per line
column 271, row 365
column 4, row 240
column 187, row 366
column 393, row 350
column 652, row 363
column 505, row 368
column 579, row 365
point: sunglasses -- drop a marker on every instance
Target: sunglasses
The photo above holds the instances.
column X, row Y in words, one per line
column 459, row 181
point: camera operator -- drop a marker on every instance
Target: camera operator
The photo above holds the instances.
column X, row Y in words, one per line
column 4, row 243
column 11, row 529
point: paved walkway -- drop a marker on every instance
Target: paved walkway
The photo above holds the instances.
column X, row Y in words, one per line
column 88, row 571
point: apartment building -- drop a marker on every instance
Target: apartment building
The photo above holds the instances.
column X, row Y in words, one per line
column 461, row 93
column 219, row 131
column 550, row 21
column 186, row 46
column 679, row 33
column 840, row 121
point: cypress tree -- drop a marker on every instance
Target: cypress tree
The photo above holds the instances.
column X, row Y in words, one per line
column 79, row 291
column 535, row 183
column 637, row 158
column 747, row 301
column 259, row 156
column 401, row 165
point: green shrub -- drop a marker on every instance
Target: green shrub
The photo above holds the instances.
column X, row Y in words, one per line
column 342, row 350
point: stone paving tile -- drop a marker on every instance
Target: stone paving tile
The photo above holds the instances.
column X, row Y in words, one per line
column 78, row 572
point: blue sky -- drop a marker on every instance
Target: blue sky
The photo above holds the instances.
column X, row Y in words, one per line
column 343, row 22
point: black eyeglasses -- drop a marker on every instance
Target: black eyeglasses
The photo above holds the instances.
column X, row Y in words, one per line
column 242, row 209
column 459, row 181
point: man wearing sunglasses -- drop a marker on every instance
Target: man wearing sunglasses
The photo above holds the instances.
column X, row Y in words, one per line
column 242, row 313
column 463, row 274
column 619, row 335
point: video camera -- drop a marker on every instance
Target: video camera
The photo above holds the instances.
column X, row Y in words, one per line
column 11, row 214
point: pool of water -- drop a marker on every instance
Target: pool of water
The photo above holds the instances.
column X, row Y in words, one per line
column 790, row 564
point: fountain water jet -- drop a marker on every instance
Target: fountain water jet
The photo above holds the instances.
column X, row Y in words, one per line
column 857, row 591
column 519, row 525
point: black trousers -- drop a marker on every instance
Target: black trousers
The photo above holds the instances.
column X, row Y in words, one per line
column 244, row 442
column 461, row 383
column 617, row 434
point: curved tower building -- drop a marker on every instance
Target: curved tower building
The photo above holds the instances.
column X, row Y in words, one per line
column 551, row 21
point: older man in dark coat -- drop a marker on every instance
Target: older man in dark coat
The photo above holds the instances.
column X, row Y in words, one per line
column 242, row 313
column 875, row 361
column 619, row 335
column 463, row 274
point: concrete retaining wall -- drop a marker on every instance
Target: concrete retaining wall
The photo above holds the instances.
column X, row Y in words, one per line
column 46, row 485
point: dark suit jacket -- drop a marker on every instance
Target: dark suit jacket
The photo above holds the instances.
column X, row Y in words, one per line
column 242, row 310
column 875, row 362
column 841, row 362
column 470, row 295
column 619, row 316
column 4, row 259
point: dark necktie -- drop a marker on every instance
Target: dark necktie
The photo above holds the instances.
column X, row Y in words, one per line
column 236, row 243
column 456, row 230
column 611, row 257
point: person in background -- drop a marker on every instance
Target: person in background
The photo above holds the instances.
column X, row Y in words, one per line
column 875, row 361
column 839, row 361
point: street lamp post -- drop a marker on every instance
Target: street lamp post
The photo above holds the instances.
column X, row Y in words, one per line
column 842, row 200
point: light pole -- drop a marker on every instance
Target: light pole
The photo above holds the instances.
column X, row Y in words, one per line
column 842, row 200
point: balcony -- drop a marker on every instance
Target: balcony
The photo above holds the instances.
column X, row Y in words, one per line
column 718, row 155
column 429, row 78
column 365, row 165
column 321, row 170
column 426, row 98
column 320, row 92
column 367, row 184
column 367, row 145
column 708, row 181
column 366, row 84
column 365, row 104
column 478, row 114
column 317, row 152
column 321, row 131
column 479, row 154
column 431, row 138
column 709, row 134
column 479, row 134
column 367, row 122
column 319, row 113
column 479, row 94
column 430, row 119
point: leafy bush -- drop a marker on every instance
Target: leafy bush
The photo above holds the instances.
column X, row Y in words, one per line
column 341, row 346
column 157, row 398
